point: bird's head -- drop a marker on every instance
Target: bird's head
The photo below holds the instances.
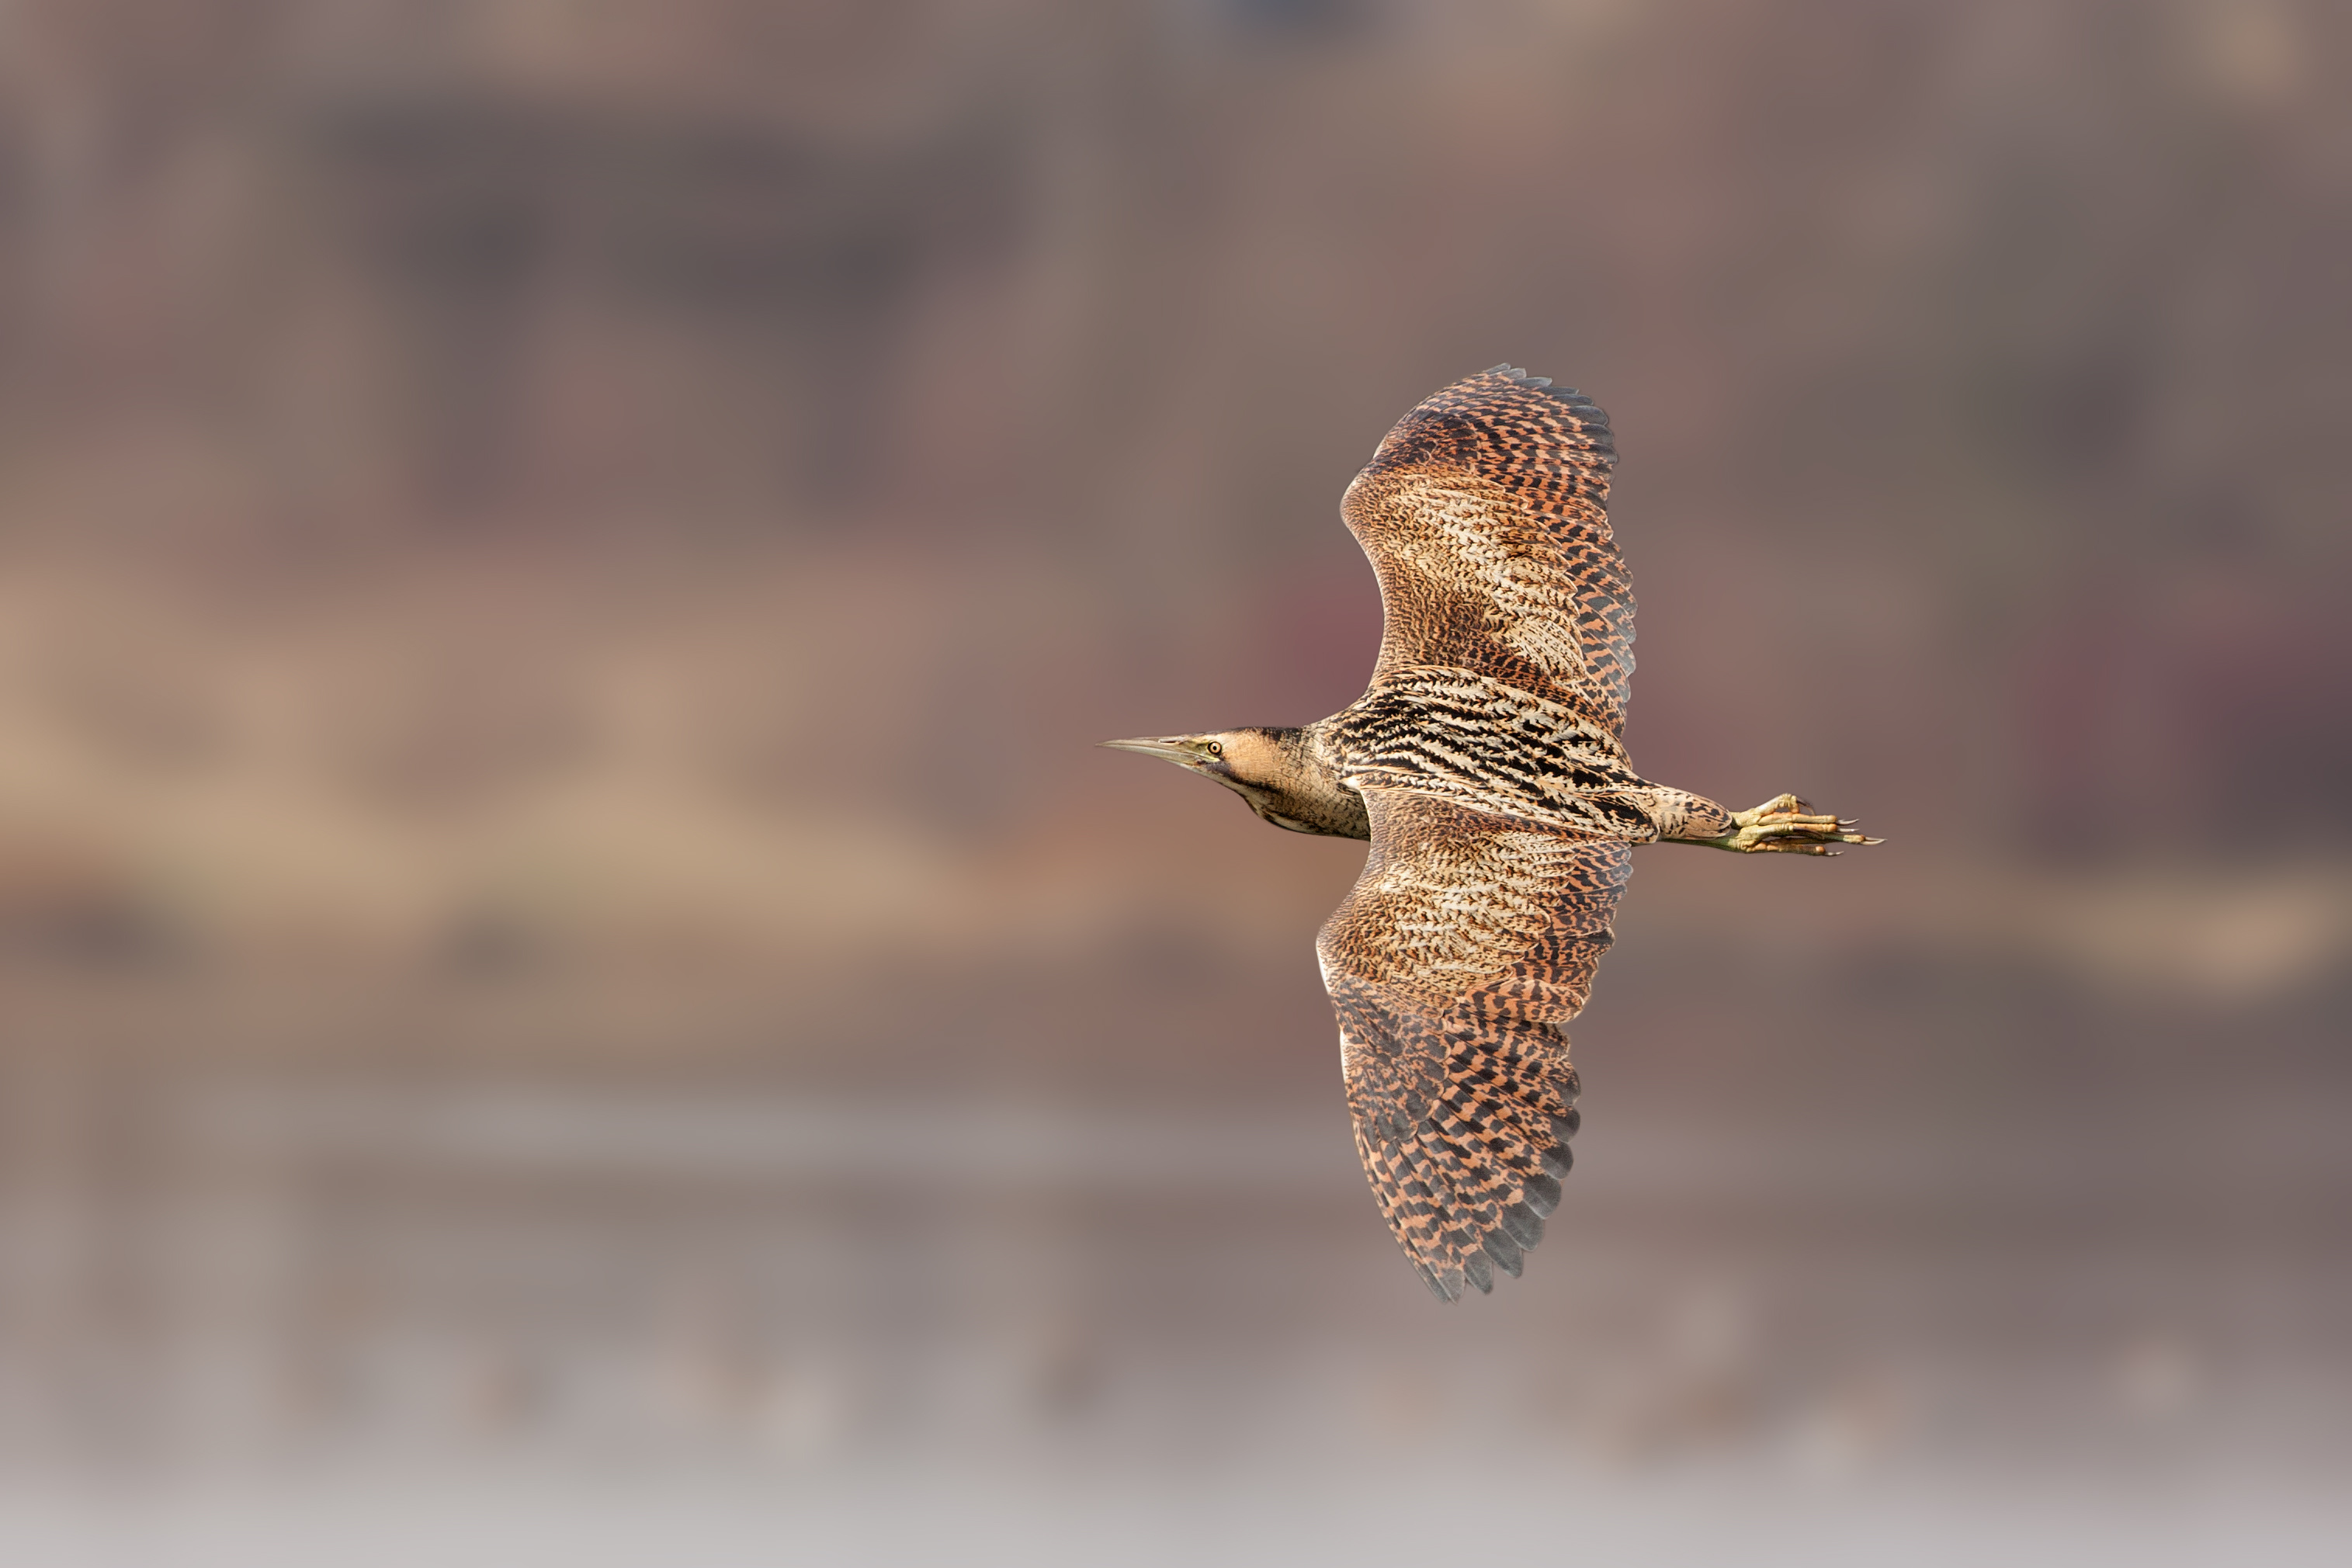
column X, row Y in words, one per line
column 1277, row 772
column 1232, row 757
column 1253, row 763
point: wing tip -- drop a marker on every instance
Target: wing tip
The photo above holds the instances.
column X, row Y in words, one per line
column 1465, row 1177
column 1591, row 416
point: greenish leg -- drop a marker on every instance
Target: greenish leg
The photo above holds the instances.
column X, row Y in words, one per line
column 1787, row 825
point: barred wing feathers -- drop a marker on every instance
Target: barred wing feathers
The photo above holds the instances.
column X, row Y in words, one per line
column 1469, row 939
column 1485, row 513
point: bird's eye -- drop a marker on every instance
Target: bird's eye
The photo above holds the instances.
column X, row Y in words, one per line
column 1216, row 748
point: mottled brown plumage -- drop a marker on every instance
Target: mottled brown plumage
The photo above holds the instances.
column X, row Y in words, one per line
column 1487, row 766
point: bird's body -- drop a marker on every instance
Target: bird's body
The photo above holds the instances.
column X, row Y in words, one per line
column 1487, row 766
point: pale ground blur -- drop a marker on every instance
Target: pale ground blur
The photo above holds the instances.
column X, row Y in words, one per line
column 576, row 992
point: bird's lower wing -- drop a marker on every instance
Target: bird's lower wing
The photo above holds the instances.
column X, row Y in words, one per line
column 1465, row 946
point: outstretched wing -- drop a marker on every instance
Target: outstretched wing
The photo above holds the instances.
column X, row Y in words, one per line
column 1485, row 516
column 1453, row 962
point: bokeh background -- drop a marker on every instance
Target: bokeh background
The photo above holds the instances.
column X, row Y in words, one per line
column 576, row 990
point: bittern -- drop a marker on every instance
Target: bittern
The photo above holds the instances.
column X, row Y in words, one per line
column 1487, row 765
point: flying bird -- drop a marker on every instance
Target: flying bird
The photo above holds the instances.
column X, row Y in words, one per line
column 1487, row 766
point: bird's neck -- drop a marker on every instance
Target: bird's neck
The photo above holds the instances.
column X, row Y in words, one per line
column 1302, row 791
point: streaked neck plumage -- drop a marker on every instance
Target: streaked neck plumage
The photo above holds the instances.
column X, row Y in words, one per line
column 1293, row 781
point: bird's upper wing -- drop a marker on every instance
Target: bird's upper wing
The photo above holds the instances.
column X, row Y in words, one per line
column 1485, row 515
column 1465, row 945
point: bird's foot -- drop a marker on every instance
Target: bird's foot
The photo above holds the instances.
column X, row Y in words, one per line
column 1787, row 825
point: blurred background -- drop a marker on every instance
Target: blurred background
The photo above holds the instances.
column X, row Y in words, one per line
column 576, row 992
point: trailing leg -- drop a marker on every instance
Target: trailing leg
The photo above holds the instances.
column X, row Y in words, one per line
column 1785, row 825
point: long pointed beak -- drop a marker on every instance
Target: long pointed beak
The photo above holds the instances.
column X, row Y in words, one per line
column 1166, row 751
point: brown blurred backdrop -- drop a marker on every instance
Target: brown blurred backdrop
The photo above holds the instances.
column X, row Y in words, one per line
column 576, row 992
